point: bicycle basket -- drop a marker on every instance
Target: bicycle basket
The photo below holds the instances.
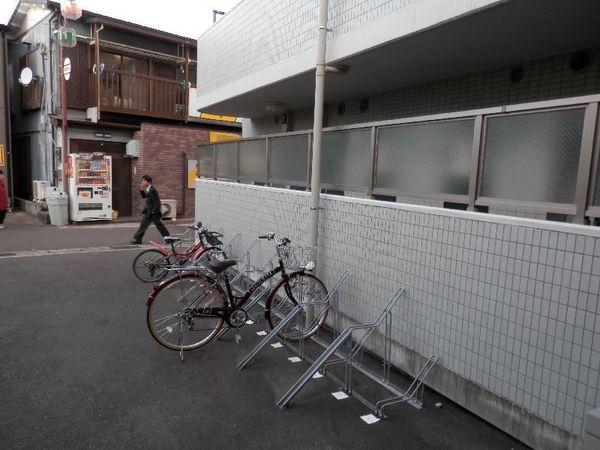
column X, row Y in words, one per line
column 212, row 238
column 296, row 256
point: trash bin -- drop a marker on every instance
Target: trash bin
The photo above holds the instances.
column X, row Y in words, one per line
column 58, row 206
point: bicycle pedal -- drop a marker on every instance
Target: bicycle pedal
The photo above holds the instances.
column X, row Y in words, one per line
column 238, row 338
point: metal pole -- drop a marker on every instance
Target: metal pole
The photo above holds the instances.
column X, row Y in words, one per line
column 8, row 148
column 315, row 182
column 63, row 108
column 97, row 59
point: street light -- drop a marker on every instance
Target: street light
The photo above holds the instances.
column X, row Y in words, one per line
column 217, row 13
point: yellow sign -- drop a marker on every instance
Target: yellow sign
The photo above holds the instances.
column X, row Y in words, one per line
column 2, row 156
column 192, row 173
column 220, row 136
column 218, row 117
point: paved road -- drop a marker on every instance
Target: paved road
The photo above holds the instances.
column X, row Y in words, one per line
column 79, row 369
column 24, row 232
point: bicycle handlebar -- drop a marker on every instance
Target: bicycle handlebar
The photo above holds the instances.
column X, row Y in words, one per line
column 271, row 237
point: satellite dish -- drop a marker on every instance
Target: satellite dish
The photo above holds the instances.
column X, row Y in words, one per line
column 26, row 76
column 67, row 68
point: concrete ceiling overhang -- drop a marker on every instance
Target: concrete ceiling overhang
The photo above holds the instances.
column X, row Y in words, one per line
column 512, row 32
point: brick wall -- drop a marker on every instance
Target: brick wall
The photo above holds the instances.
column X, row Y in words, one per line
column 162, row 149
column 510, row 305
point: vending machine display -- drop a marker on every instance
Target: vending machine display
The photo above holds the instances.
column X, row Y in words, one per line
column 90, row 186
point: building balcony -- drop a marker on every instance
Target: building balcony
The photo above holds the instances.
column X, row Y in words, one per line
column 142, row 95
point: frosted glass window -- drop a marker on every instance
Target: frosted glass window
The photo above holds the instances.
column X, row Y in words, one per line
column 596, row 198
column 346, row 159
column 426, row 158
column 226, row 160
column 253, row 160
column 205, row 157
column 533, row 157
column 289, row 158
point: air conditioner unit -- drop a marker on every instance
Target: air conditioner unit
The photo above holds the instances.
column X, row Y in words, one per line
column 132, row 149
column 168, row 209
column 39, row 189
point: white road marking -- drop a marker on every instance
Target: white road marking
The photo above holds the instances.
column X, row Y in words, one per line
column 339, row 395
column 277, row 345
column 294, row 359
column 71, row 251
column 370, row 418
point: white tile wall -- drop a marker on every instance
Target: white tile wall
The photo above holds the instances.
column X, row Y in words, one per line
column 510, row 304
column 260, row 33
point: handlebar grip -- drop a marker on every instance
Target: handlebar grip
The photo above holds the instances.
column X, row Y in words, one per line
column 264, row 236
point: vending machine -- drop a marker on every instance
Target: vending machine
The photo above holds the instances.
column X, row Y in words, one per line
column 90, row 186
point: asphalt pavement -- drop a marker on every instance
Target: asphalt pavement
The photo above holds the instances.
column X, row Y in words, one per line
column 80, row 369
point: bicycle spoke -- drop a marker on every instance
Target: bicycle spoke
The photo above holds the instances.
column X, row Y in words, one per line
column 171, row 317
column 301, row 289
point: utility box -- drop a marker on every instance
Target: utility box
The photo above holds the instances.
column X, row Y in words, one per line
column 168, row 209
column 132, row 149
column 39, row 189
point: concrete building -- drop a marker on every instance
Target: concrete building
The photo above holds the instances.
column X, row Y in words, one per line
column 134, row 86
column 485, row 106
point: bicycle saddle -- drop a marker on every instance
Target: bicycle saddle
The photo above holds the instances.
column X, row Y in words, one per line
column 220, row 266
column 169, row 239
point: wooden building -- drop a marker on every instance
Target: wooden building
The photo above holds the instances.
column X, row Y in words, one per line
column 125, row 84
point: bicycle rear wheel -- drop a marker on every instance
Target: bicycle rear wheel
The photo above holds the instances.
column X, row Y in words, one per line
column 300, row 287
column 173, row 315
column 151, row 265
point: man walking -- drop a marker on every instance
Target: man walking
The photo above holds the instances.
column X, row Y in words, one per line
column 151, row 211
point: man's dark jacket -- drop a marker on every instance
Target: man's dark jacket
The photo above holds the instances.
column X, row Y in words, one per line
column 152, row 202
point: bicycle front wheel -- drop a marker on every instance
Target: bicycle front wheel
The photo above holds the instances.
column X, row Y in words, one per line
column 298, row 288
column 151, row 265
column 178, row 312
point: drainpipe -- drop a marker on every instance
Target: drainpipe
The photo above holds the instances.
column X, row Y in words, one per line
column 315, row 183
column 8, row 149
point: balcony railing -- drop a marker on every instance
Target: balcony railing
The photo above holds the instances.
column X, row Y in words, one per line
column 141, row 95
column 540, row 159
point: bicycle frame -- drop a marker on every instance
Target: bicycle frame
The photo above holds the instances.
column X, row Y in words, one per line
column 165, row 250
column 234, row 302
column 240, row 301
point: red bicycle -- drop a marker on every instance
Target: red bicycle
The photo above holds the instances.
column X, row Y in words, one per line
column 152, row 265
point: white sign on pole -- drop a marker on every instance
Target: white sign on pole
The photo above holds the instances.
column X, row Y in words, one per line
column 67, row 68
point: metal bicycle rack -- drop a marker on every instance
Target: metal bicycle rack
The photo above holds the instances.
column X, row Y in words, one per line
column 226, row 248
column 246, row 273
column 352, row 361
column 331, row 298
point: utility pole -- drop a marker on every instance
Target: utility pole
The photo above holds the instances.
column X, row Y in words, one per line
column 63, row 110
column 315, row 182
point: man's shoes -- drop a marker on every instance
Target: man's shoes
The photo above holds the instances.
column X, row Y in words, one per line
column 135, row 241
